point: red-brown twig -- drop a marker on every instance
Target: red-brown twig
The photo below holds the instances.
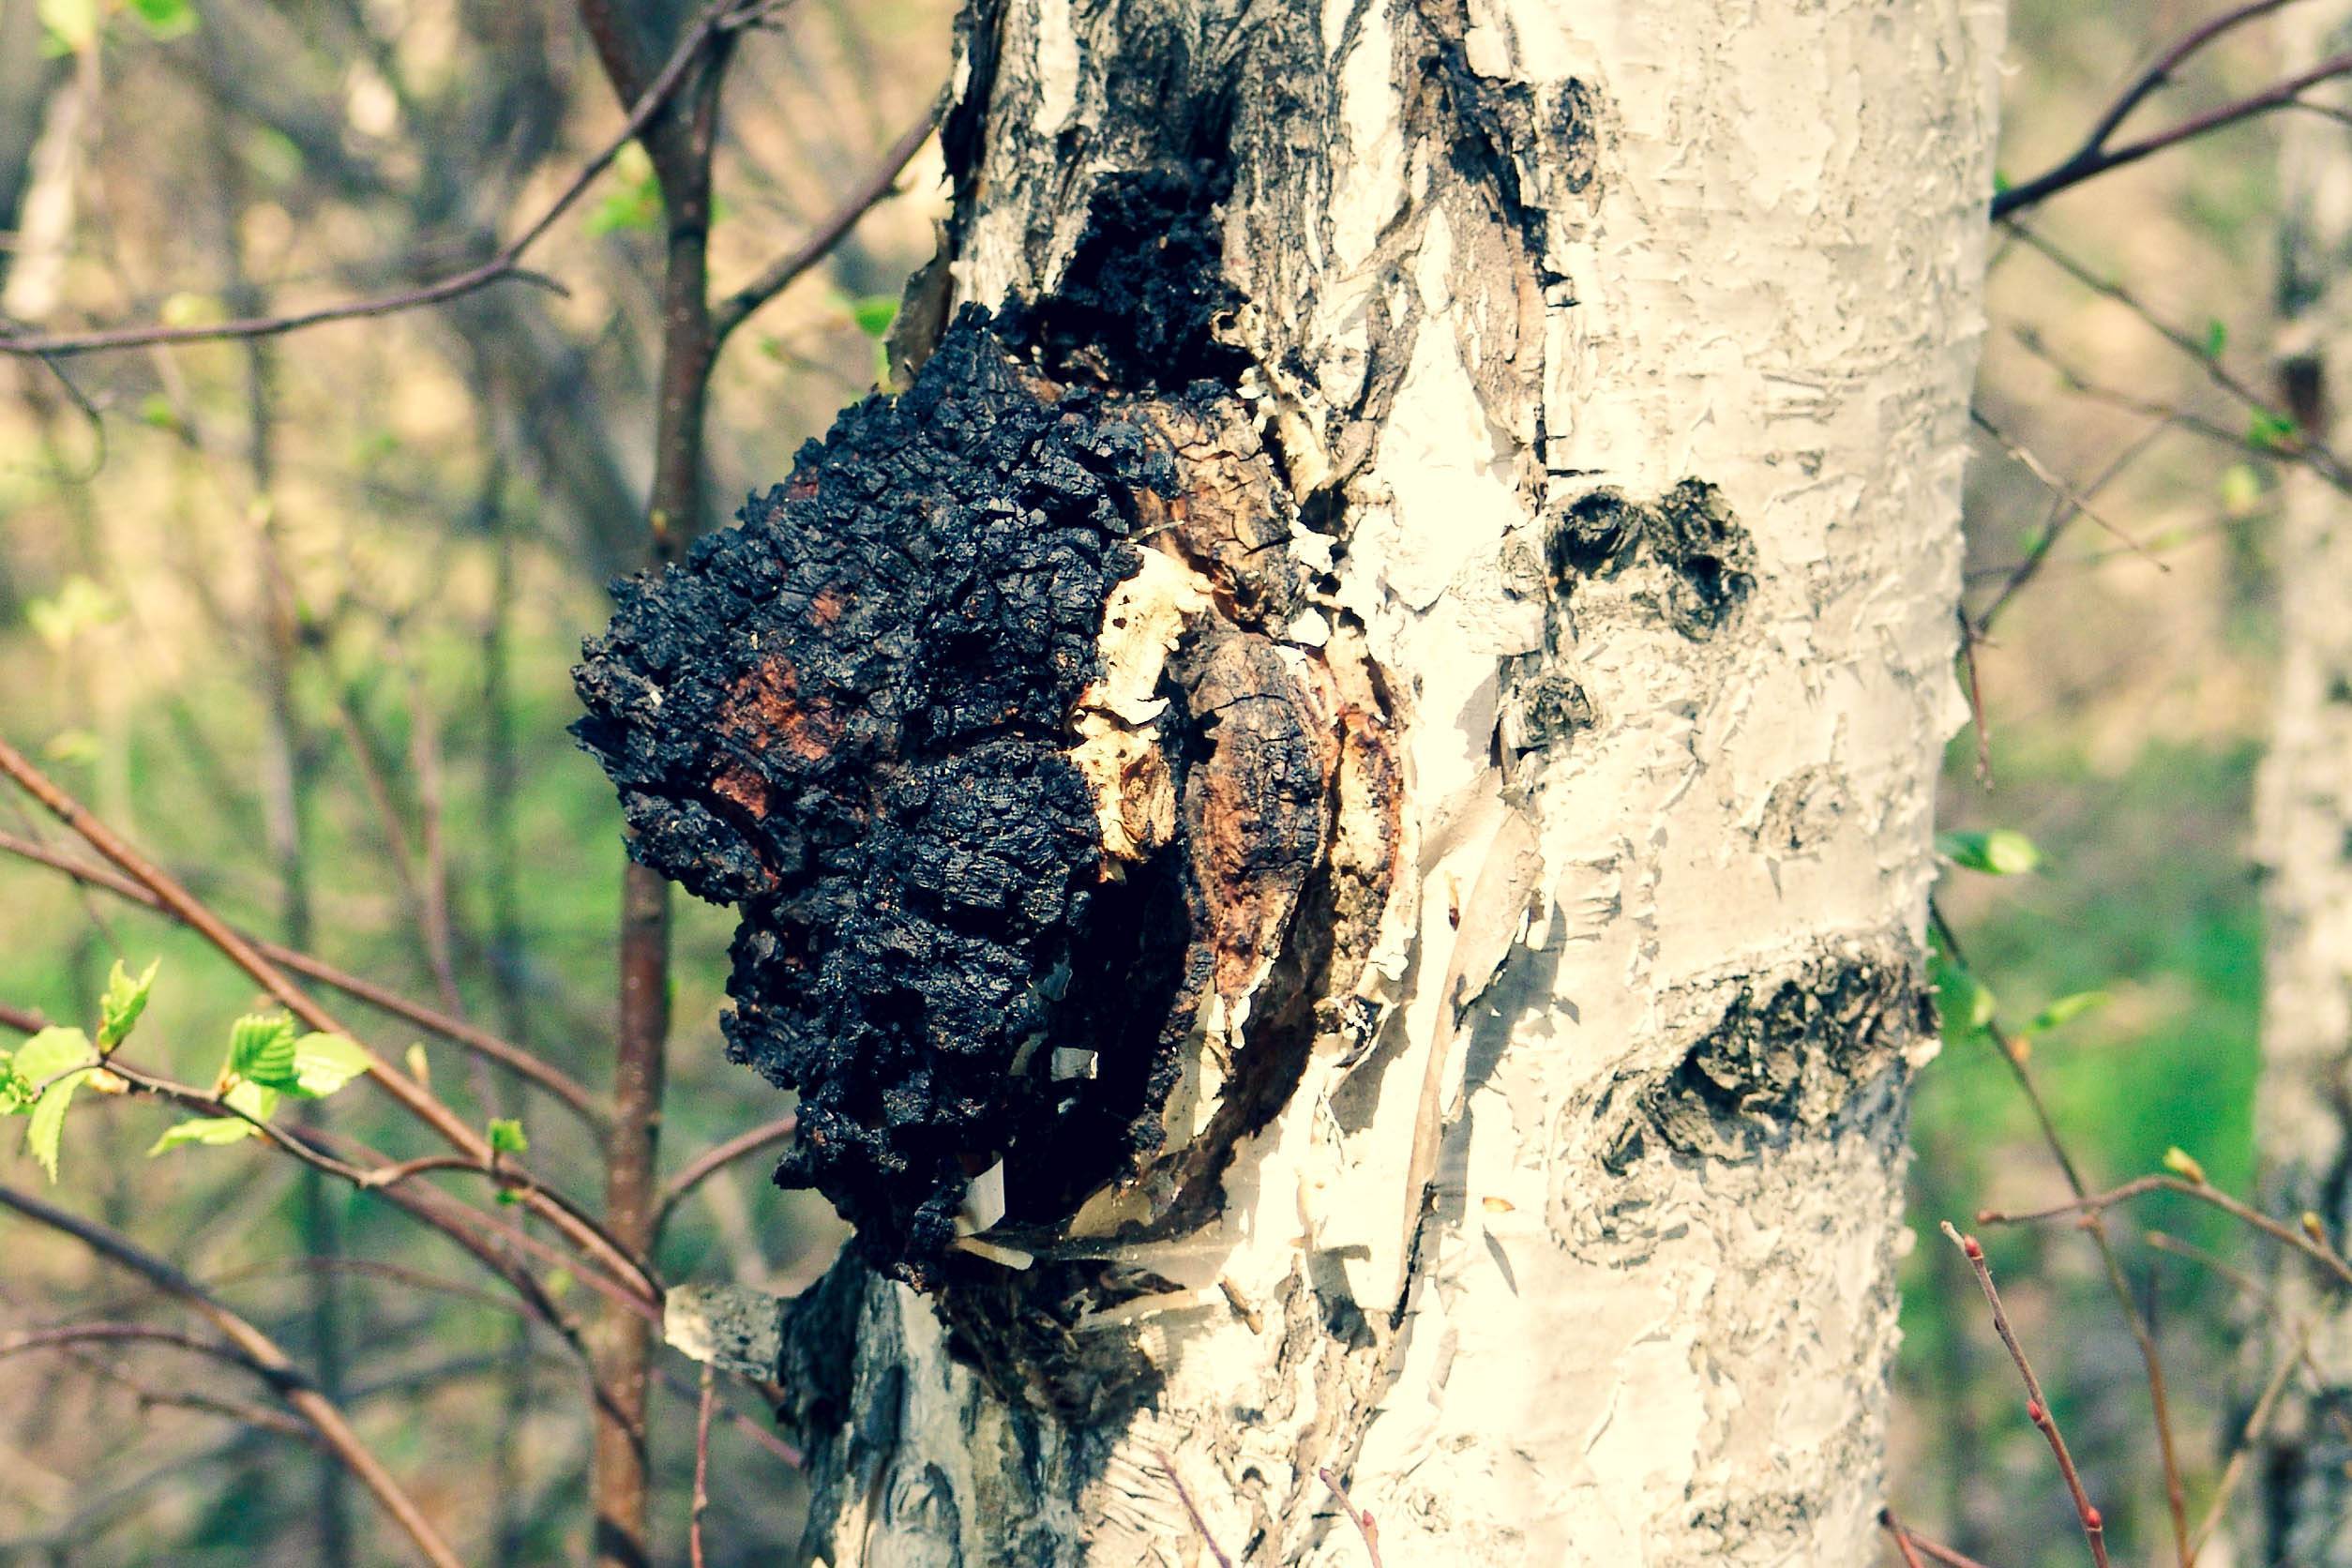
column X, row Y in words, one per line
column 1366, row 1526
column 718, row 1157
column 569, row 1090
column 2092, row 1204
column 735, row 309
column 2143, row 1337
column 2037, row 1402
column 2062, row 514
column 507, row 263
column 1911, row 1544
column 2303, row 445
column 262, row 1351
column 701, row 1469
column 2094, row 156
column 1191, row 1510
column 2256, row 1424
column 414, row 1097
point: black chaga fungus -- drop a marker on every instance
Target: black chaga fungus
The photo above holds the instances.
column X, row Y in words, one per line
column 849, row 716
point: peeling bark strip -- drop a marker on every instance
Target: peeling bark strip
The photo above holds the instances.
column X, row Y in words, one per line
column 1347, row 778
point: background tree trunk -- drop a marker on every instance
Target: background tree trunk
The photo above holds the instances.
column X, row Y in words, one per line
column 2301, row 1503
column 1618, row 359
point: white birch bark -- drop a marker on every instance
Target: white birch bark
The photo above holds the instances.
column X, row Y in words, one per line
column 2299, row 1505
column 1636, row 339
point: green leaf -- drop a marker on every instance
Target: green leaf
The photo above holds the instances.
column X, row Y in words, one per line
column 77, row 606
column 2066, row 1009
column 72, row 26
column 2271, row 432
column 1965, row 1005
column 323, row 1063
column 2216, row 337
column 2183, row 1165
column 165, row 18
column 52, row 1058
column 209, row 1130
column 257, row 1100
column 637, row 205
column 125, row 999
column 2242, row 490
column 873, row 314
column 262, row 1049
column 506, row 1137
column 43, row 1133
column 2003, row 852
column 16, row 1095
column 53, row 1051
column 74, row 746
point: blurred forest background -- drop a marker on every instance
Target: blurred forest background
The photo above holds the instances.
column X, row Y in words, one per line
column 297, row 615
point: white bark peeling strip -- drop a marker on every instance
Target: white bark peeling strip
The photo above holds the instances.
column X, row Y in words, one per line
column 1056, row 68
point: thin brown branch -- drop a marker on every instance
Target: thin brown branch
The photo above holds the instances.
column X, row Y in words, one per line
column 2075, row 500
column 2091, row 1205
column 880, row 184
column 2089, row 162
column 2306, row 443
column 718, row 1157
column 270, row 1360
column 24, row 1020
column 573, row 1095
column 2258, row 1423
column 792, row 1457
column 2062, row 515
column 1909, row 1539
column 414, row 1097
column 1366, row 1526
column 2037, row 1402
column 702, row 1468
column 2160, row 70
column 2143, row 1336
column 1974, row 685
column 114, row 1334
column 1200, row 1524
column 507, row 263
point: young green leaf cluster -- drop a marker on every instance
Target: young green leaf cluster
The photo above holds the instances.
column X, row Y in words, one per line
column 266, row 1061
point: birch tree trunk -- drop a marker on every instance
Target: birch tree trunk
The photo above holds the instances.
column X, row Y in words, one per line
column 2299, row 1508
column 1569, row 460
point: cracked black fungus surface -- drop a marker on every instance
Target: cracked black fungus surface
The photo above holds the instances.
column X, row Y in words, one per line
column 849, row 717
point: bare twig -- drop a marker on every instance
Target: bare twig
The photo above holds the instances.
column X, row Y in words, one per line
column 2258, row 1423
column 263, row 1353
column 2075, row 500
column 590, row 1238
column 2062, row 514
column 1910, row 1544
column 2095, row 157
column 2037, row 1403
column 505, row 264
column 2306, row 443
column 2160, row 70
column 702, row 1468
column 1192, row 1512
column 1362, row 1518
column 554, row 1080
column 879, row 185
column 2091, row 1205
column 717, row 1158
column 2143, row 1336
